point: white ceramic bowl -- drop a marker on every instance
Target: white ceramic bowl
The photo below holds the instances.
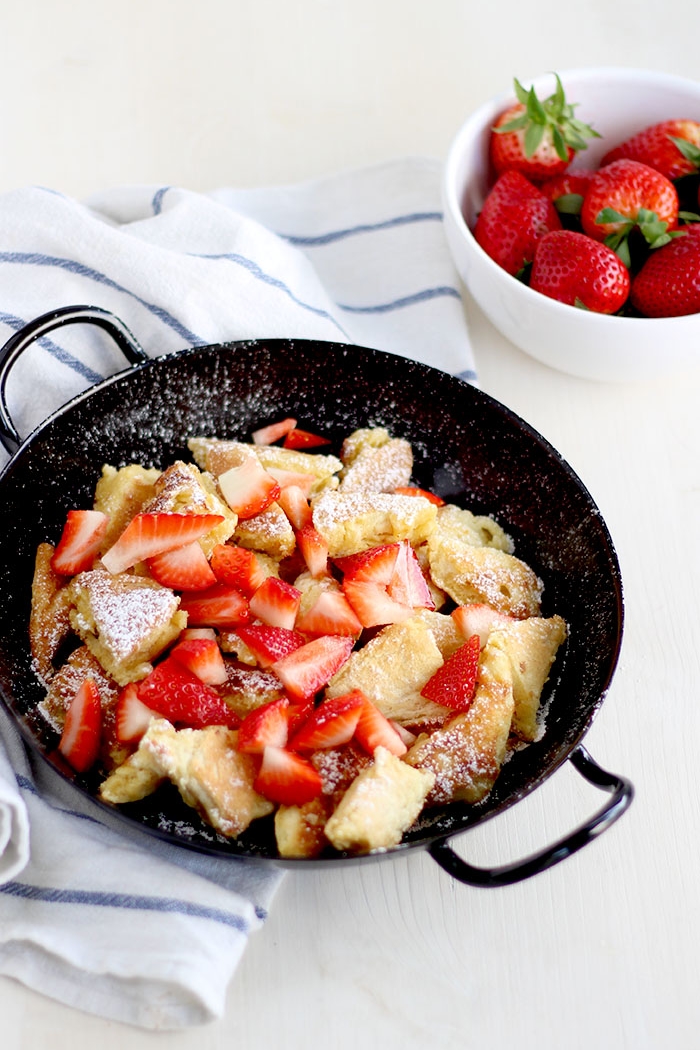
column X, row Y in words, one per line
column 618, row 103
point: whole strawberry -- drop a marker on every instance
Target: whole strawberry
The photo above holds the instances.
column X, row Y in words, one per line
column 671, row 147
column 514, row 217
column 537, row 138
column 627, row 195
column 577, row 270
column 668, row 285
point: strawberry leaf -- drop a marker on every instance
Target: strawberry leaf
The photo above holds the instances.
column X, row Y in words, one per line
column 570, row 203
column 689, row 150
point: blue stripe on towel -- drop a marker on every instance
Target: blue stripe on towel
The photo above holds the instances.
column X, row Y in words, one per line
column 55, row 350
column 129, row 902
column 38, row 259
column 352, row 231
column 157, row 202
column 407, row 300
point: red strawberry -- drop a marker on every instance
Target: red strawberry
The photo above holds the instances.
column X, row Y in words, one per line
column 413, row 490
column 248, row 489
column 372, row 604
column 237, row 567
column 538, row 138
column 668, row 284
column 269, row 434
column 331, row 613
column 408, row 585
column 625, row 195
column 287, row 778
column 269, row 644
column 294, row 502
column 80, row 541
column 178, row 695
column 454, row 683
column 566, row 191
column 314, row 549
column 514, row 217
column 375, row 730
column 201, row 656
column 131, row 716
column 219, row 606
column 80, row 740
column 375, row 565
column 184, row 569
column 265, row 726
column 303, row 439
column 287, row 478
column 479, row 619
column 276, row 603
column 149, row 534
column 577, row 270
column 311, row 666
column 332, row 723
column 671, row 147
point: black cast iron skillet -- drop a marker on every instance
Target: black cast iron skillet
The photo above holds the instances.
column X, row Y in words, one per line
column 468, row 448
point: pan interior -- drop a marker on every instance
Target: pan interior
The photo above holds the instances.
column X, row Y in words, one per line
column 467, row 447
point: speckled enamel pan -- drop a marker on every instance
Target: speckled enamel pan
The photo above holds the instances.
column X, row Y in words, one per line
column 468, row 448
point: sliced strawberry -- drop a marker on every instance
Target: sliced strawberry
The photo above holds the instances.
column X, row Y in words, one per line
column 265, row 726
column 80, row 541
column 408, row 584
column 131, row 716
column 405, row 735
column 314, row 549
column 294, row 503
column 331, row 613
column 149, row 534
column 178, row 695
column 219, row 606
column 201, row 656
column 184, row 569
column 197, row 632
column 287, row 778
column 312, row 666
column 304, row 439
column 276, row 603
column 269, row 434
column 375, row 565
column 248, row 489
column 332, row 723
column 375, row 730
column 237, row 567
column 413, row 490
column 372, row 604
column 454, row 683
column 269, row 644
column 80, row 740
column 479, row 619
column 292, row 479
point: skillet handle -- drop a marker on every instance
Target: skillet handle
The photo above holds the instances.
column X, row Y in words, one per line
column 622, row 793
column 41, row 326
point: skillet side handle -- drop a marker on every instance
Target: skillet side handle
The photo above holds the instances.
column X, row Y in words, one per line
column 621, row 791
column 41, row 326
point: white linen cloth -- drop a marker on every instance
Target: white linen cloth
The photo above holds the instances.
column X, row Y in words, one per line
column 93, row 913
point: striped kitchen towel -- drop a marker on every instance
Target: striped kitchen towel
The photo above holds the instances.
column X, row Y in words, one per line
column 94, row 913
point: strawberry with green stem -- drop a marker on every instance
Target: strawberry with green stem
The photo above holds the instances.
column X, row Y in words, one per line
column 628, row 196
column 668, row 284
column 671, row 147
column 538, row 138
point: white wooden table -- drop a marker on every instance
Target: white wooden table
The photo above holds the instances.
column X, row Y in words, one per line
column 601, row 951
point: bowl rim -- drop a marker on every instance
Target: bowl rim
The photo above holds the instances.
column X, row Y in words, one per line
column 452, row 190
